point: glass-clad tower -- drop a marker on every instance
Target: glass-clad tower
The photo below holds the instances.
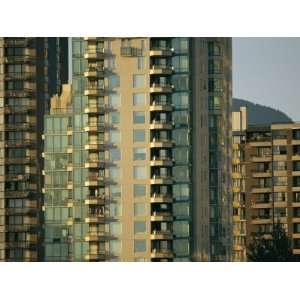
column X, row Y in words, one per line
column 127, row 158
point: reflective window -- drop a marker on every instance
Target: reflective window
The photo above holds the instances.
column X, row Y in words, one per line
column 139, row 227
column 139, row 172
column 138, row 117
column 139, row 99
column 139, row 245
column 139, row 209
column 139, row 81
column 139, row 153
column 139, row 190
column 138, row 135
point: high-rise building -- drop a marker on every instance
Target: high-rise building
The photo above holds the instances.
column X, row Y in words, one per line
column 31, row 70
column 138, row 152
column 239, row 127
column 268, row 170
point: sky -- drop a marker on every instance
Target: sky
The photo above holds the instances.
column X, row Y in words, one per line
column 267, row 71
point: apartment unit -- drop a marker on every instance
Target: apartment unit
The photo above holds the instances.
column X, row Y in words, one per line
column 268, row 169
column 138, row 152
column 31, row 69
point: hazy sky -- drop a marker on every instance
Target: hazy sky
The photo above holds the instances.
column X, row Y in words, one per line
column 267, row 71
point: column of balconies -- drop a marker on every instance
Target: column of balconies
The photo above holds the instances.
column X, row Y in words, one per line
column 21, row 171
column 95, row 109
column 161, row 150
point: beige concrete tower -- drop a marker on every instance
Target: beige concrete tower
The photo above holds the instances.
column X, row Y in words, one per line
column 141, row 109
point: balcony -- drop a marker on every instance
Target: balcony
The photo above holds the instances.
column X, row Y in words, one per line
column 260, row 174
column 261, row 189
column 18, row 211
column 157, row 179
column 263, row 158
column 95, row 200
column 94, row 91
column 95, row 219
column 236, row 161
column 161, row 88
column 161, row 51
column 18, row 160
column 19, row 126
column 95, row 109
column 94, row 127
column 159, row 216
column 161, row 161
column 95, row 145
column 161, row 70
column 296, row 156
column 99, row 256
column 161, row 143
column 17, row 194
column 161, row 235
column 238, row 248
column 91, row 39
column 17, row 177
column 19, row 143
column 161, row 125
column 160, row 106
column 261, row 220
column 161, row 198
column 94, row 236
column 94, row 73
column 94, row 164
column 19, row 109
column 161, row 253
column 236, row 175
column 236, row 189
column 95, row 55
column 94, row 181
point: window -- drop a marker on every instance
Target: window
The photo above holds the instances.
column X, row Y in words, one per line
column 114, row 117
column 181, row 247
column 139, row 209
column 139, row 227
column 115, row 228
column 138, row 135
column 139, row 172
column 181, row 228
column 115, row 191
column 180, row 100
column 139, row 245
column 139, row 99
column 139, row 81
column 115, row 247
column 115, row 210
column 141, row 62
column 215, row 85
column 113, row 81
column 114, row 100
column 139, row 190
column 214, row 48
column 114, row 136
column 279, row 150
column 114, row 173
column 139, row 117
column 281, row 181
column 139, row 153
column 180, row 82
column 180, row 63
column 114, row 154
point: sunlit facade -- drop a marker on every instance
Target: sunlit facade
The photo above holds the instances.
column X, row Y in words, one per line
column 138, row 159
